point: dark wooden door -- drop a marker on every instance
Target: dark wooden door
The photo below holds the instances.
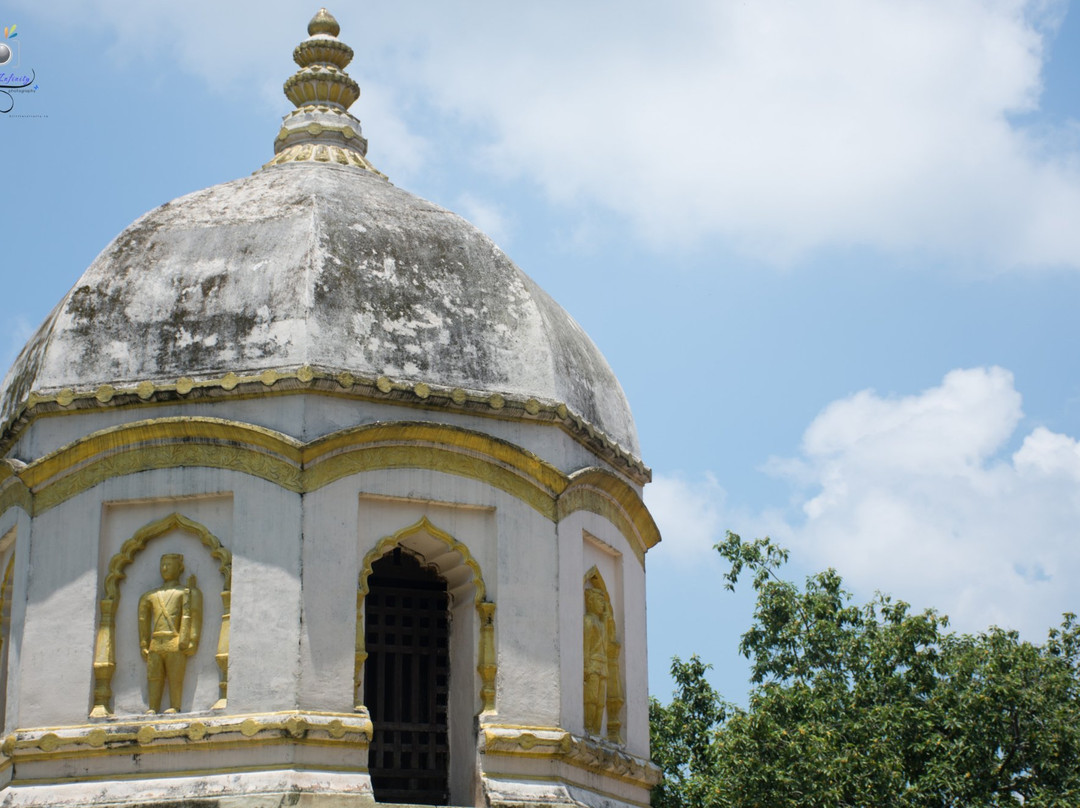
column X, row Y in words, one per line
column 406, row 681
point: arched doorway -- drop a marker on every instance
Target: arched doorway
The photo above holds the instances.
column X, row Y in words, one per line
column 407, row 680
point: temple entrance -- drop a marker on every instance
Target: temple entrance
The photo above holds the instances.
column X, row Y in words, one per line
column 406, row 680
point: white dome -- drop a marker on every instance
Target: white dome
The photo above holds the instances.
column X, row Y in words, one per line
column 311, row 264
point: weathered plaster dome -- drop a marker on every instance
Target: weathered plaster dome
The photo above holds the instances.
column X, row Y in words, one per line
column 308, row 264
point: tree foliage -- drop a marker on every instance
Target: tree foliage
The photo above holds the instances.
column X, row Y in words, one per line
column 870, row 705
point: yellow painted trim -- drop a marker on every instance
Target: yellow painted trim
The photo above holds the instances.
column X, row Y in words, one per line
column 512, row 457
column 183, row 746
column 8, row 469
column 139, row 734
column 299, row 467
column 625, row 496
column 560, row 746
column 604, row 494
column 14, row 493
column 99, row 447
column 186, row 719
column 144, row 775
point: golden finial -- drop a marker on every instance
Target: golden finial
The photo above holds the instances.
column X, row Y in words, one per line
column 323, row 23
column 320, row 128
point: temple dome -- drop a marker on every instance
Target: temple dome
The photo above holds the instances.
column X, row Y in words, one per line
column 318, row 265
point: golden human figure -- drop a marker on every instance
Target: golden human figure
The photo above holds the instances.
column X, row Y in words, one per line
column 596, row 660
column 603, row 685
column 170, row 618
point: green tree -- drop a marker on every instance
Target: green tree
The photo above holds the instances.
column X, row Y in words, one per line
column 870, row 705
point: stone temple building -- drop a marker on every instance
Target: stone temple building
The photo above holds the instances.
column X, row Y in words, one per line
column 309, row 496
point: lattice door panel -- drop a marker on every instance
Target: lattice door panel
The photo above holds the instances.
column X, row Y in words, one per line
column 406, row 681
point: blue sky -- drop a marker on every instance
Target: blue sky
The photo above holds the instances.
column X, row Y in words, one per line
column 830, row 248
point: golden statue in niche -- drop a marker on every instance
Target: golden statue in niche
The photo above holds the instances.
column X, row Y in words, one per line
column 170, row 619
column 603, row 688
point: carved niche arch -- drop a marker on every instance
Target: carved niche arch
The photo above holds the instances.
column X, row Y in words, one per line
column 613, row 700
column 105, row 645
column 485, row 655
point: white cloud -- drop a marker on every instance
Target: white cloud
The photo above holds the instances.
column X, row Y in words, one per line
column 690, row 515
column 781, row 126
column 915, row 496
column 693, row 516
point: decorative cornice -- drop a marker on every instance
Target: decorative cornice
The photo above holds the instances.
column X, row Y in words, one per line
column 140, row 735
column 302, row 467
column 553, row 743
column 324, row 381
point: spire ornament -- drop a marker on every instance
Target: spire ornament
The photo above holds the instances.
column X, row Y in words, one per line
column 321, row 129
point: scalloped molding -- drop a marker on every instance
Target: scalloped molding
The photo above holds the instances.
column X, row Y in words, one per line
column 147, row 734
column 302, row 467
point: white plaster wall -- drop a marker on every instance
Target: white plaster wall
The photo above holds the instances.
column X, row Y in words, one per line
column 55, row 665
column 342, row 524
column 264, row 655
column 329, row 761
column 636, row 656
column 347, row 519
column 264, row 669
column 571, row 606
column 528, row 632
column 328, row 593
column 13, row 524
column 119, row 522
column 7, row 556
column 464, row 701
column 523, row 585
